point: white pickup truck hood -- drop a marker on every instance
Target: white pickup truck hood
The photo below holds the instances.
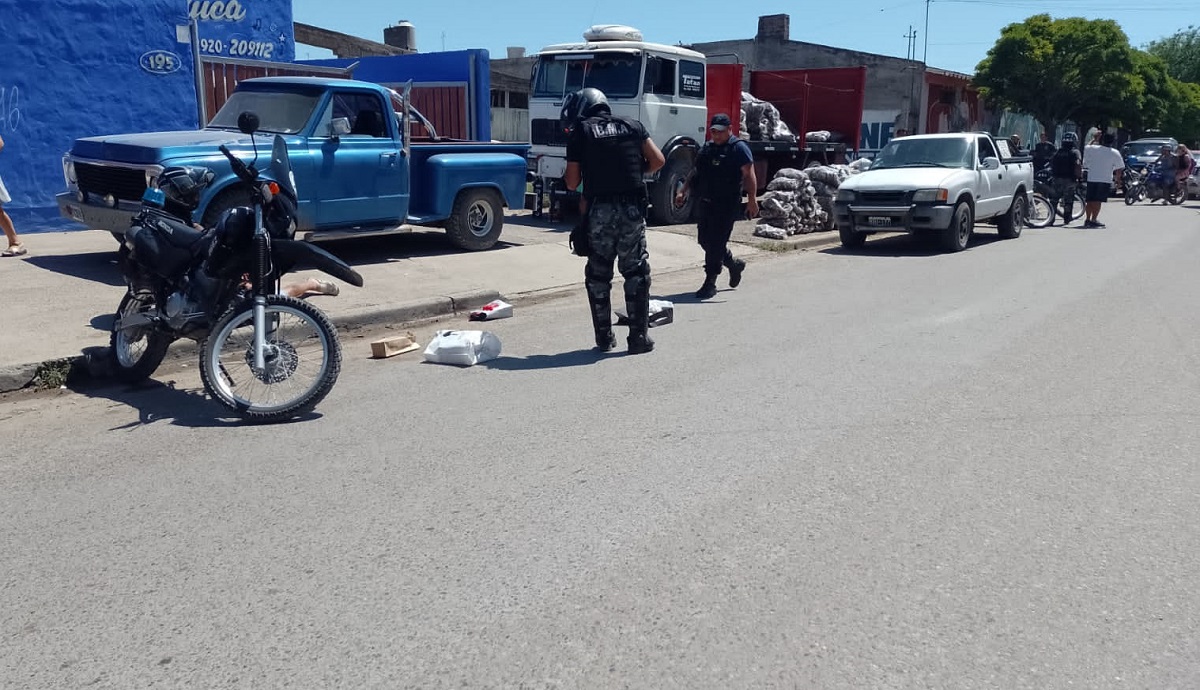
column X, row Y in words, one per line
column 908, row 178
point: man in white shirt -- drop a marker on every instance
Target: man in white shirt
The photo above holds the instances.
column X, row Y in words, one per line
column 1100, row 160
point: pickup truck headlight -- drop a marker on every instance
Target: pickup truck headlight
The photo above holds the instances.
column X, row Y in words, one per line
column 69, row 171
column 930, row 196
column 846, row 195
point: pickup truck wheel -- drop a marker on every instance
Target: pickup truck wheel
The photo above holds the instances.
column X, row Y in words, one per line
column 1012, row 222
column 477, row 219
column 851, row 239
column 228, row 199
column 671, row 180
column 956, row 237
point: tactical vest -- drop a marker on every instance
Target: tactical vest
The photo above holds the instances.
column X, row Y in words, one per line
column 718, row 174
column 1062, row 165
column 613, row 164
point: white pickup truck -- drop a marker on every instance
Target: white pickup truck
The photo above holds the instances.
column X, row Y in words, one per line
column 941, row 184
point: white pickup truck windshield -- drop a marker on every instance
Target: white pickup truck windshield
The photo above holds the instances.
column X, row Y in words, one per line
column 926, row 153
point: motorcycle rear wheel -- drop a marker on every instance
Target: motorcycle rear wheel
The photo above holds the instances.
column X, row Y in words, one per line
column 135, row 353
column 303, row 360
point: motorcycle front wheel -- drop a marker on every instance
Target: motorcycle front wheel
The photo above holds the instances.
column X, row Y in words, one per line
column 1041, row 212
column 302, row 355
column 135, row 353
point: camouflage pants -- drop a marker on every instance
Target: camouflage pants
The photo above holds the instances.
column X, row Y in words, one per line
column 617, row 233
column 1063, row 190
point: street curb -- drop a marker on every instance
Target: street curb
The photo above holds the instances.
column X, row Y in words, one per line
column 92, row 364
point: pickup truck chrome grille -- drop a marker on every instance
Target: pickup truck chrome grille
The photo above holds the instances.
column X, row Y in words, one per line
column 126, row 184
column 543, row 132
column 883, row 198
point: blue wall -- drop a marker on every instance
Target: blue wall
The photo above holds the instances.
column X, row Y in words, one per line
column 245, row 29
column 82, row 68
column 77, row 68
column 467, row 66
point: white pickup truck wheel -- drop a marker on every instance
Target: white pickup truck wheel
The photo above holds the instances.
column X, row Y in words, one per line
column 851, row 239
column 956, row 237
column 1010, row 223
column 477, row 220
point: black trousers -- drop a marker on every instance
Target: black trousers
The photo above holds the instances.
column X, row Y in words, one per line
column 713, row 229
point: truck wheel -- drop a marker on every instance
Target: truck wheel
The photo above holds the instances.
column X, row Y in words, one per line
column 1011, row 223
column 958, row 234
column 477, row 219
column 229, row 199
column 851, row 239
column 670, row 180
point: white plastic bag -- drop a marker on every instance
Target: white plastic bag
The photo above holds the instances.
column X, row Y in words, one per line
column 463, row 348
column 662, row 313
column 499, row 309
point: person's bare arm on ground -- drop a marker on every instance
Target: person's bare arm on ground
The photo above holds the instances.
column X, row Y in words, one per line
column 750, row 184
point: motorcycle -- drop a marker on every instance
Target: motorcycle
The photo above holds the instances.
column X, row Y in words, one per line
column 1158, row 185
column 1042, row 210
column 1134, row 186
column 265, row 356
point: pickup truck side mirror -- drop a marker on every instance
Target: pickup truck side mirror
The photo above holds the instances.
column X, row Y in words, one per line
column 990, row 163
column 340, row 127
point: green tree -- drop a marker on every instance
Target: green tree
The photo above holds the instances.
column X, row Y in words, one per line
column 1182, row 119
column 1181, row 53
column 1156, row 92
column 1061, row 69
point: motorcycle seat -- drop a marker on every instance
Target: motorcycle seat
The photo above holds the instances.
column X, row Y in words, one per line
column 177, row 233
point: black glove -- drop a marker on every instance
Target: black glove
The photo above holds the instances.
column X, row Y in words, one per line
column 580, row 240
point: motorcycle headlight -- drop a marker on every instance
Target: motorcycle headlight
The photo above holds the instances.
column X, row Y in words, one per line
column 846, row 195
column 930, row 196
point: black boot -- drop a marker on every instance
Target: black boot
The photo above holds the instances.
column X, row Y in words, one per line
column 601, row 305
column 736, row 267
column 709, row 289
column 638, row 306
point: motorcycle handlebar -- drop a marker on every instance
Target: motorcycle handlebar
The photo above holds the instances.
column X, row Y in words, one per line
column 239, row 168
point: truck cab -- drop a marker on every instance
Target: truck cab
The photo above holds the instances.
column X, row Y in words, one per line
column 661, row 86
column 356, row 164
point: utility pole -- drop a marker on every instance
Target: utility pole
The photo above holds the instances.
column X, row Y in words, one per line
column 925, row 55
column 911, row 55
column 444, row 40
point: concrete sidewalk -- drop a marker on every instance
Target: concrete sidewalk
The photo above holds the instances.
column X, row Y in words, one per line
column 60, row 298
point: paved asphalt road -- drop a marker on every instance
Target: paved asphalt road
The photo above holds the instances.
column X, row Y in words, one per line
column 889, row 469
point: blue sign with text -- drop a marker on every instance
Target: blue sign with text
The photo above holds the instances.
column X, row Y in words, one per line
column 245, row 29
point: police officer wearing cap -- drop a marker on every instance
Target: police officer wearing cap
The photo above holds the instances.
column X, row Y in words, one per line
column 611, row 157
column 724, row 169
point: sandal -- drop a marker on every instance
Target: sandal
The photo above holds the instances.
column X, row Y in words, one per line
column 328, row 288
column 17, row 249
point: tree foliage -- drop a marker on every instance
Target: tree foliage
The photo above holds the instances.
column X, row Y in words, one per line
column 1181, row 54
column 1064, row 69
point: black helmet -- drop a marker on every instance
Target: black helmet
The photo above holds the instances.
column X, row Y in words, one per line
column 584, row 103
column 1069, row 140
column 183, row 185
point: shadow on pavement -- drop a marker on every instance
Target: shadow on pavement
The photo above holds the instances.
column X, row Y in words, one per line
column 562, row 360
column 157, row 402
column 909, row 246
column 98, row 267
column 361, row 251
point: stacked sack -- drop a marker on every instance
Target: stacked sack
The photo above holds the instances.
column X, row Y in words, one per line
column 761, row 121
column 790, row 206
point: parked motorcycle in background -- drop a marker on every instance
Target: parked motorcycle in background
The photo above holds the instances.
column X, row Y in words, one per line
column 265, row 356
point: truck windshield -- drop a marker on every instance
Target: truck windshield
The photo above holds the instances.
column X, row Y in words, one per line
column 922, row 153
column 278, row 112
column 618, row 75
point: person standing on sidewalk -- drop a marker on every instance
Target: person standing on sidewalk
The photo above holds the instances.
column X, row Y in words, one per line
column 1101, row 161
column 15, row 248
column 1067, row 168
column 724, row 169
column 611, row 157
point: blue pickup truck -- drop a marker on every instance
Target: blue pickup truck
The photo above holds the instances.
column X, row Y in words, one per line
column 357, row 166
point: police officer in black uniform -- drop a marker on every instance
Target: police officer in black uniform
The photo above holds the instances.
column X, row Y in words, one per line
column 724, row 168
column 611, row 156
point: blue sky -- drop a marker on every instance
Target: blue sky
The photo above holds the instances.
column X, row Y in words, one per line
column 960, row 31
